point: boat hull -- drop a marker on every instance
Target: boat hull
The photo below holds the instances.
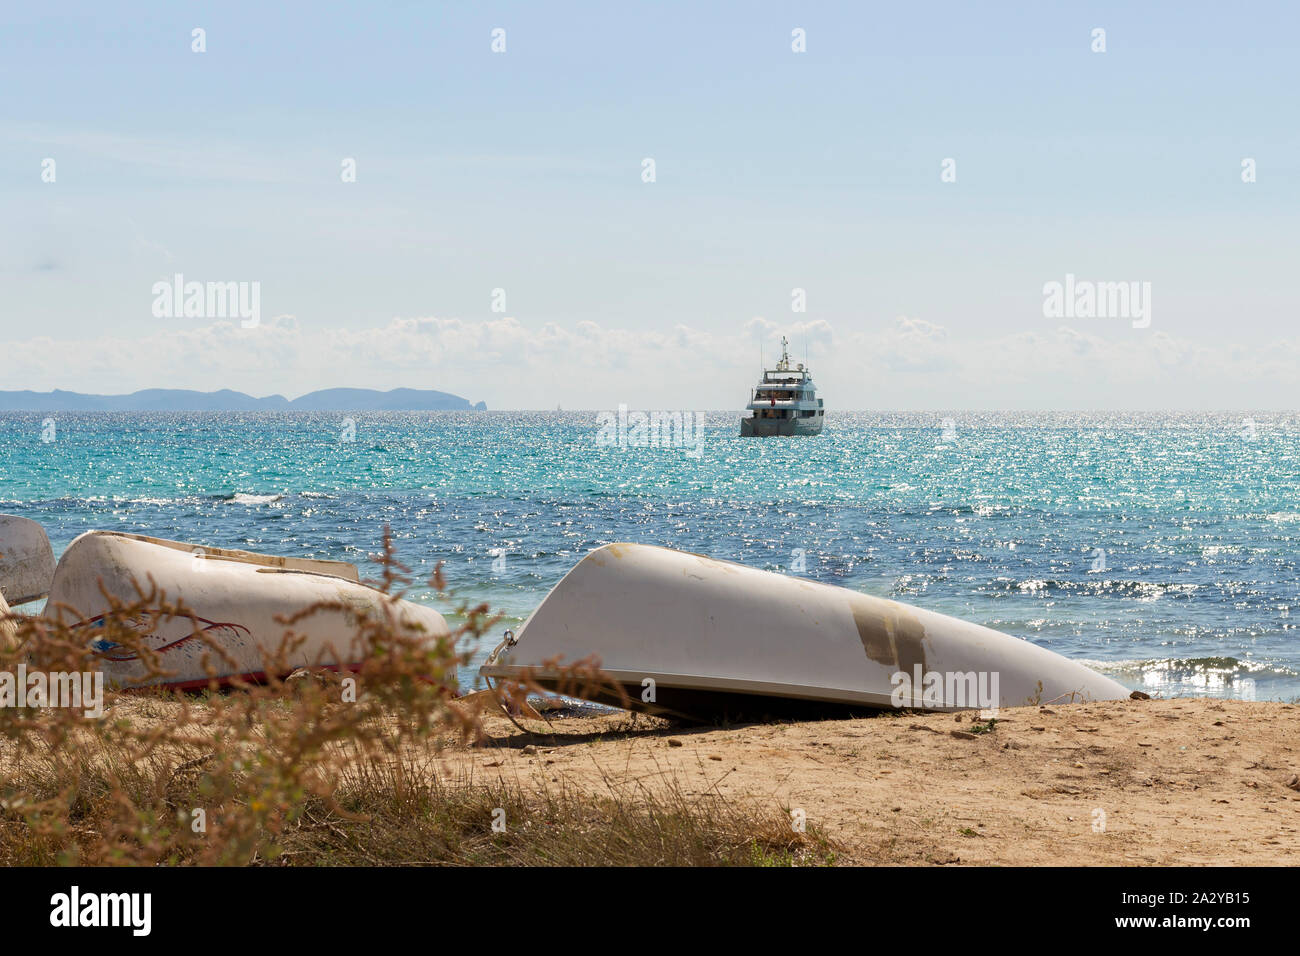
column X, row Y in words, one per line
column 26, row 560
column 687, row 635
column 773, row 427
column 238, row 601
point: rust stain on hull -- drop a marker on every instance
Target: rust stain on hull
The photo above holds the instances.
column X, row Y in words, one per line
column 891, row 635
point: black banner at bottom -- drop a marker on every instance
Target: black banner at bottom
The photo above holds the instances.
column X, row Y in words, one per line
column 947, row 907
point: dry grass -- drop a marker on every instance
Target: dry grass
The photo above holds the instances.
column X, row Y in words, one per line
column 101, row 801
column 557, row 827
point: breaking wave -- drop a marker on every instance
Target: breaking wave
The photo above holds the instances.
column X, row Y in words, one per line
column 244, row 499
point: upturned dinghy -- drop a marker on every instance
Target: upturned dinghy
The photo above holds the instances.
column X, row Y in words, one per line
column 236, row 599
column 26, row 567
column 691, row 636
column 26, row 560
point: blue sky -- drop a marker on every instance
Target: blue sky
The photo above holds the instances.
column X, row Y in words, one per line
column 775, row 170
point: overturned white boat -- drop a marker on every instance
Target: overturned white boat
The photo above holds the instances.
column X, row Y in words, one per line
column 683, row 634
column 26, row 567
column 236, row 603
column 26, row 560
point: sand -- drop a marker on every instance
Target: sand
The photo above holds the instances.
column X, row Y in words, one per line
column 1168, row 782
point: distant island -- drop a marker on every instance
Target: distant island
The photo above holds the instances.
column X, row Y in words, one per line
column 187, row 400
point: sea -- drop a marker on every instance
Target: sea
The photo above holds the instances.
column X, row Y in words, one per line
column 1161, row 549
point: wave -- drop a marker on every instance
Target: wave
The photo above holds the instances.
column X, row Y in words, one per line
column 1199, row 665
column 160, row 501
column 70, row 502
column 1149, row 590
column 1209, row 676
column 240, row 498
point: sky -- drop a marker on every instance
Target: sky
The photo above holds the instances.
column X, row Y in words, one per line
column 920, row 172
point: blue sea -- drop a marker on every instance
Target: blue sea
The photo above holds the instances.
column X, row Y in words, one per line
column 1160, row 548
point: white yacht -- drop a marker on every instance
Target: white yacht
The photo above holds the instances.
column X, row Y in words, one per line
column 784, row 402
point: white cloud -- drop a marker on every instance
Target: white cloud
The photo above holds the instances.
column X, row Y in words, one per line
column 909, row 363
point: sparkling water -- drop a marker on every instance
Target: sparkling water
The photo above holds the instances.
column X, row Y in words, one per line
column 1160, row 548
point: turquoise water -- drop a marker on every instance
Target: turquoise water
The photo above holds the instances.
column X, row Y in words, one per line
column 1003, row 522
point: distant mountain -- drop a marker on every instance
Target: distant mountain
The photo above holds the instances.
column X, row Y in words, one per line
column 186, row 400
column 368, row 400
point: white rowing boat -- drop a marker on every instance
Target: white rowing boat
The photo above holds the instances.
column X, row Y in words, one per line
column 689, row 635
column 238, row 600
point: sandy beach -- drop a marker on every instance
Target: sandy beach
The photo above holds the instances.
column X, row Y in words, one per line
column 1155, row 782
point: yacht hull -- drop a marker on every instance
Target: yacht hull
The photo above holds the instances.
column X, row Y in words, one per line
column 689, row 636
column 770, row 427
